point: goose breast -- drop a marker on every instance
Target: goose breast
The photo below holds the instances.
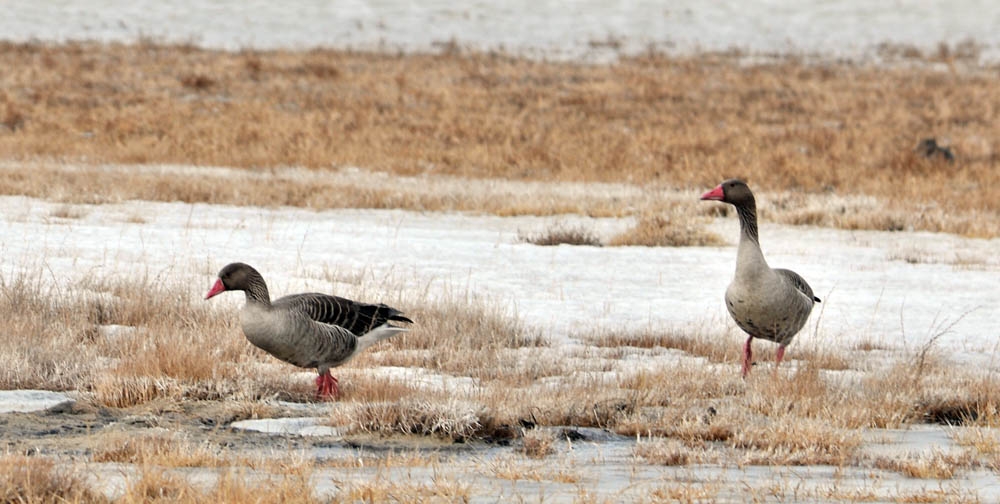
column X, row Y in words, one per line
column 771, row 307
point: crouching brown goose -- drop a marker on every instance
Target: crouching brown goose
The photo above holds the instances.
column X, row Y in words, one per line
column 308, row 330
column 770, row 304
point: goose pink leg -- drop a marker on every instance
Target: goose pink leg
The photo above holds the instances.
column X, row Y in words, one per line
column 777, row 358
column 747, row 356
column 327, row 386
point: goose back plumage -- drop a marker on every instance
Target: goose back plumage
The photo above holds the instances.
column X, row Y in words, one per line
column 358, row 318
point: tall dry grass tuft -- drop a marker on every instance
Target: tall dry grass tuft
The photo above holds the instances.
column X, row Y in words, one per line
column 660, row 231
column 158, row 485
column 933, row 464
column 483, row 341
column 384, row 488
column 159, row 450
column 33, row 480
column 45, row 337
column 984, row 440
column 688, row 492
column 790, row 440
column 169, row 347
column 447, row 418
column 293, row 485
column 562, row 235
column 665, row 452
column 155, row 484
column 538, row 443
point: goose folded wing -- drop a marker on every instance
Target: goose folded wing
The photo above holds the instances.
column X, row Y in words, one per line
column 358, row 318
column 332, row 345
column 798, row 282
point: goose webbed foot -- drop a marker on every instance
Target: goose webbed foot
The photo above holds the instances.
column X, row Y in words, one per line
column 327, row 387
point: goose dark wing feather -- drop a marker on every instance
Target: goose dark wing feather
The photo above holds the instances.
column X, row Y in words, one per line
column 798, row 282
column 359, row 318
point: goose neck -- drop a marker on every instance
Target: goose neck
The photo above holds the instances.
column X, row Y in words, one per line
column 257, row 293
column 748, row 222
column 750, row 260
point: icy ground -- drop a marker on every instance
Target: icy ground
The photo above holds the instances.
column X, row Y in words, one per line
column 894, row 289
column 23, row 401
column 606, row 472
column 589, row 29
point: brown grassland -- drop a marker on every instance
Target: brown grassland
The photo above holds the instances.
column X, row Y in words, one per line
column 785, row 124
column 159, row 375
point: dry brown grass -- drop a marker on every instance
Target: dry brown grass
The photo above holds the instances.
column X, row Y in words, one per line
column 685, row 122
column 803, row 417
column 77, row 184
column 538, row 443
column 173, row 348
column 483, row 341
column 660, row 231
column 154, row 484
column 158, row 450
column 125, row 342
column 929, row 465
column 687, row 492
column 667, row 452
column 793, row 440
column 68, row 212
column 562, row 234
column 714, row 346
column 759, row 424
column 389, row 460
column 679, row 390
column 519, row 469
column 452, row 419
column 985, row 440
column 386, row 489
column 38, row 480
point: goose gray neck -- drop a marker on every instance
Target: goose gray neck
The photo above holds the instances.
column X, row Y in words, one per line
column 256, row 291
column 750, row 260
column 747, row 213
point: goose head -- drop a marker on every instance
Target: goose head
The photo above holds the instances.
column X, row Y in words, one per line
column 235, row 276
column 732, row 191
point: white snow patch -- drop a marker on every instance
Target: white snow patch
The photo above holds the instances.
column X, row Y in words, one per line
column 24, row 401
column 116, row 331
column 914, row 440
column 590, row 30
column 426, row 379
column 300, row 426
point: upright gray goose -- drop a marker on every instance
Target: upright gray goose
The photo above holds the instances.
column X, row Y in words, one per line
column 308, row 330
column 771, row 304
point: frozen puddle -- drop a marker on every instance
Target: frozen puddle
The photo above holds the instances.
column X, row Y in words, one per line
column 299, row 426
column 25, row 401
column 915, row 440
column 603, row 467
